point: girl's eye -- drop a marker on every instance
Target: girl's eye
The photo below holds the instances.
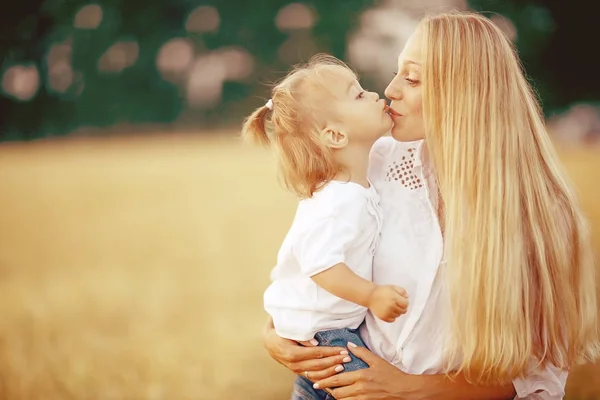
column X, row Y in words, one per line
column 360, row 95
column 411, row 81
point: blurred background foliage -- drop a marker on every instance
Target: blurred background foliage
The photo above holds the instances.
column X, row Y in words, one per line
column 71, row 64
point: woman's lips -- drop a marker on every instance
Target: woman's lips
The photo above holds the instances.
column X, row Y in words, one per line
column 393, row 112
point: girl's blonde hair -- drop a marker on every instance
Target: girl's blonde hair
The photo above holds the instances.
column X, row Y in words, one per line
column 520, row 267
column 293, row 126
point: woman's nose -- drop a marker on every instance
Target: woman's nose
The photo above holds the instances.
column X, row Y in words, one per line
column 393, row 91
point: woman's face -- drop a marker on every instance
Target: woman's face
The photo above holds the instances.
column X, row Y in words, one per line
column 405, row 93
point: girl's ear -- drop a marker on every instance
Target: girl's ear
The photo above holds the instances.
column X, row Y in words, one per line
column 333, row 138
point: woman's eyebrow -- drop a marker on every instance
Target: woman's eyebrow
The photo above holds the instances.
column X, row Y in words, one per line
column 407, row 62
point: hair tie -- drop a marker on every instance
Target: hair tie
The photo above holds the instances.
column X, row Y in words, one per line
column 269, row 104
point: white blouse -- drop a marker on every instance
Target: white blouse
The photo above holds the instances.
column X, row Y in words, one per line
column 339, row 224
column 409, row 254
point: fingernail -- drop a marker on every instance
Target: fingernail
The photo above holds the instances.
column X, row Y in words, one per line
column 339, row 368
column 316, row 386
column 351, row 344
column 344, row 352
column 347, row 359
column 314, row 342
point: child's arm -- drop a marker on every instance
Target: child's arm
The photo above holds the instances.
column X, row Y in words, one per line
column 321, row 253
column 386, row 302
column 340, row 281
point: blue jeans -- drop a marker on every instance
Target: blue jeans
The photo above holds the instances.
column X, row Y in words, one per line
column 303, row 388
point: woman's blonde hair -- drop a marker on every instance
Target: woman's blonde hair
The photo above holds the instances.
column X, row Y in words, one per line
column 292, row 127
column 520, row 267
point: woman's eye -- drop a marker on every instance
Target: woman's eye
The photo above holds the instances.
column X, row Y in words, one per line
column 360, row 95
column 411, row 81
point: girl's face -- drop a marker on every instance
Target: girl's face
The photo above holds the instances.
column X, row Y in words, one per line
column 357, row 114
column 405, row 93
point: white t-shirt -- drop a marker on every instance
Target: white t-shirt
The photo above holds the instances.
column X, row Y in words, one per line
column 409, row 255
column 339, row 224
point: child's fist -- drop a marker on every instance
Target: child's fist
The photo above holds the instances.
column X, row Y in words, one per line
column 388, row 302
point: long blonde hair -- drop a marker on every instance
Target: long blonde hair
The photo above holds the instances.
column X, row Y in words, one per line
column 520, row 268
column 293, row 128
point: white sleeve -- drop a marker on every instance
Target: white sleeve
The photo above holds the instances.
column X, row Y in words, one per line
column 325, row 244
column 541, row 383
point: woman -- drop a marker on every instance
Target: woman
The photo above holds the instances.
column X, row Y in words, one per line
column 480, row 227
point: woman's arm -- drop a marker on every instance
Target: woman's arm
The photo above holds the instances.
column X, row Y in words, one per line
column 382, row 380
column 388, row 382
column 539, row 383
column 433, row 387
column 546, row 383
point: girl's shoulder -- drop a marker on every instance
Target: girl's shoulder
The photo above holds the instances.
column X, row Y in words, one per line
column 339, row 194
column 338, row 198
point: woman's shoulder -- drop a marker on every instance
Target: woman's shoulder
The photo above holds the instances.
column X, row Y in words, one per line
column 383, row 147
column 387, row 146
column 388, row 151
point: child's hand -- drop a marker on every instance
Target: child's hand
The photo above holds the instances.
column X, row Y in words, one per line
column 388, row 302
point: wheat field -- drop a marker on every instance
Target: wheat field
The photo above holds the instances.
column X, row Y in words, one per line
column 134, row 268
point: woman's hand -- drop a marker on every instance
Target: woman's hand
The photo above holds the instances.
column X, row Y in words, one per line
column 381, row 380
column 309, row 360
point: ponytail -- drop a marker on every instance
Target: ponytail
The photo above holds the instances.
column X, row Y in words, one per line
column 254, row 128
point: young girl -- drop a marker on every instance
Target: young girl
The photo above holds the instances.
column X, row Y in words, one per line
column 322, row 125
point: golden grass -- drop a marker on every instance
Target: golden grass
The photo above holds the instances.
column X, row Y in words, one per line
column 134, row 268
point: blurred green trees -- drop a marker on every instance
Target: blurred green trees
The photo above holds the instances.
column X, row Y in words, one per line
column 139, row 94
